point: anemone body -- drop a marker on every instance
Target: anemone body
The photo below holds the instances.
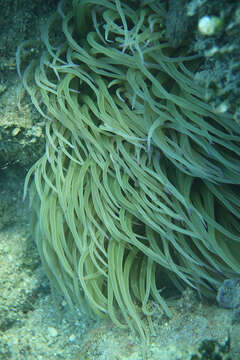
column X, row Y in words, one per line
column 139, row 186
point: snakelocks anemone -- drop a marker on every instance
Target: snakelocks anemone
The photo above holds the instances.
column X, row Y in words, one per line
column 138, row 190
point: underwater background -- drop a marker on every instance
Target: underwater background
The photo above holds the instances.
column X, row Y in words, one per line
column 36, row 324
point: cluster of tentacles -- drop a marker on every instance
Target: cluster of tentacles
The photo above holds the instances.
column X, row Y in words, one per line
column 139, row 185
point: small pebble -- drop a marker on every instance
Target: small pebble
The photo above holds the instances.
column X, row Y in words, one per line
column 52, row 331
column 209, row 25
column 72, row 338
